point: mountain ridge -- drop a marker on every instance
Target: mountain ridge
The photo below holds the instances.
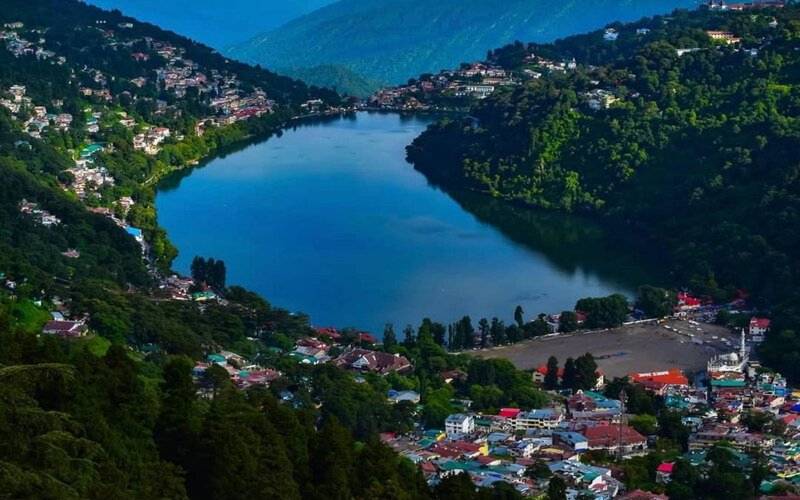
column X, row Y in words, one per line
column 391, row 41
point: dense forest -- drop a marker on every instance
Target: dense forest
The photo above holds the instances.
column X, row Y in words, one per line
column 687, row 141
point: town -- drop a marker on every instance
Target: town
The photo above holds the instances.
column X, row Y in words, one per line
column 515, row 65
column 584, row 437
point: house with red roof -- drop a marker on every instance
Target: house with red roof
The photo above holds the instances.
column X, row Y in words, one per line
column 613, row 437
column 660, row 382
column 328, row 331
column 509, row 413
column 65, row 329
column 758, row 329
column 687, row 302
column 664, row 472
column 372, row 361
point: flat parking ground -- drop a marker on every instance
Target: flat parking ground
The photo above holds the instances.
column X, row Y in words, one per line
column 632, row 348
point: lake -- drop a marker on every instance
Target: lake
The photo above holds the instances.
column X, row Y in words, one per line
column 330, row 219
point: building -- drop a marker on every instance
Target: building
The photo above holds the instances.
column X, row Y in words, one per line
column 403, row 396
column 373, row 361
column 610, row 35
column 616, row 438
column 574, row 440
column 65, row 329
column 480, row 91
column 758, row 329
column 544, row 418
column 725, row 37
column 459, row 423
column 660, row 382
column 730, row 363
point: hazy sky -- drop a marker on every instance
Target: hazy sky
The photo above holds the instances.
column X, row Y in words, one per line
column 215, row 22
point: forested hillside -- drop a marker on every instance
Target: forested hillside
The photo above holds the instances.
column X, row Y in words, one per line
column 391, row 40
column 682, row 128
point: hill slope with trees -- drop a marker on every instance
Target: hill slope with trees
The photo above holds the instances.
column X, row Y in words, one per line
column 389, row 40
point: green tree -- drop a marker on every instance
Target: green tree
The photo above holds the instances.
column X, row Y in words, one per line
column 605, row 312
column 644, row 424
column 570, row 378
column 389, row 337
column 556, row 489
column 656, row 302
column 551, row 377
column 519, row 316
column 585, row 372
column 568, row 322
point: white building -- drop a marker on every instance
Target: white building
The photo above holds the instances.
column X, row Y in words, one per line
column 731, row 362
column 610, row 35
column 758, row 329
column 459, row 423
column 545, row 418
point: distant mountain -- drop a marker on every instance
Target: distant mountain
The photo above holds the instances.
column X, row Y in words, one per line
column 339, row 78
column 214, row 22
column 391, row 40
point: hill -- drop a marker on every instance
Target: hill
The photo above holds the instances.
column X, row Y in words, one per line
column 338, row 78
column 209, row 22
column 392, row 40
column 682, row 129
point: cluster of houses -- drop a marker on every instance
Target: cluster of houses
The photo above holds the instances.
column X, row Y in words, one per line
column 315, row 350
column 20, row 47
column 39, row 215
column 740, row 6
column 476, row 81
column 243, row 373
column 223, row 91
column 503, row 446
column 38, row 118
column 150, row 139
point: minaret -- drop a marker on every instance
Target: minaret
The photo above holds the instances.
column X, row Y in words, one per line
column 743, row 349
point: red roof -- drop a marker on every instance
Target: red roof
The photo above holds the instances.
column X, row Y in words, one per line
column 509, row 412
column 608, row 435
column 759, row 323
column 329, row 331
column 310, row 342
column 672, row 376
column 429, row 468
column 642, row 495
column 687, row 300
column 368, row 338
column 666, row 467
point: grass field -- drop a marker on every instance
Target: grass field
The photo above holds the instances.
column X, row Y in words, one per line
column 620, row 351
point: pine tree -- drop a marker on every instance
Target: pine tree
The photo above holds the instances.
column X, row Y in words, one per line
column 389, row 337
column 569, row 379
column 551, row 377
column 519, row 316
column 585, row 372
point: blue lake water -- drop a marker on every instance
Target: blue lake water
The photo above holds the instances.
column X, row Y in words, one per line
column 330, row 219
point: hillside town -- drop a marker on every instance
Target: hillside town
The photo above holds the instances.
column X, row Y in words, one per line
column 458, row 90
column 110, row 115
